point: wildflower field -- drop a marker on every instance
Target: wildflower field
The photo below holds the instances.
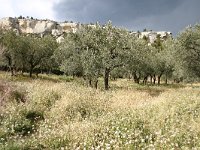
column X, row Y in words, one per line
column 58, row 112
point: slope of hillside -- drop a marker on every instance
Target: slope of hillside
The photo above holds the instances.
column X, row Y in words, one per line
column 56, row 114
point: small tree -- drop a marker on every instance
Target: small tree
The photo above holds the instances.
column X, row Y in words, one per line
column 9, row 46
column 190, row 52
column 39, row 52
column 136, row 58
column 114, row 46
column 68, row 55
column 92, row 50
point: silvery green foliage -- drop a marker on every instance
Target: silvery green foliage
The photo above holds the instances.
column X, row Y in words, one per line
column 27, row 52
column 92, row 50
column 91, row 56
column 137, row 55
column 8, row 44
column 114, row 48
column 165, row 58
column 68, row 54
column 39, row 52
column 190, row 52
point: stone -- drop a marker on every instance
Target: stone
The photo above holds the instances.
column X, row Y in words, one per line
column 35, row 26
column 57, row 29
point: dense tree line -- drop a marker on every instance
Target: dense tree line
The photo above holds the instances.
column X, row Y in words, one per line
column 108, row 52
column 26, row 53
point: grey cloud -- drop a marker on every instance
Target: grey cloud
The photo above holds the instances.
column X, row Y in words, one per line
column 170, row 15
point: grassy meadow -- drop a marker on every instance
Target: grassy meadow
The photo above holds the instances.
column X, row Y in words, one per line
column 58, row 112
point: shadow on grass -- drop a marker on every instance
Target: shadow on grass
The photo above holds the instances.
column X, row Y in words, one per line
column 153, row 92
column 156, row 90
column 151, row 89
column 54, row 78
column 43, row 77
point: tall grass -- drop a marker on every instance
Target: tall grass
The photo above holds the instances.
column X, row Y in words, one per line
column 68, row 115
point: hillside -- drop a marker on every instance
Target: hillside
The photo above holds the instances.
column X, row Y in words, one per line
column 57, row 29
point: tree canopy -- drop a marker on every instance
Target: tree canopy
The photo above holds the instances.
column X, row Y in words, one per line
column 105, row 51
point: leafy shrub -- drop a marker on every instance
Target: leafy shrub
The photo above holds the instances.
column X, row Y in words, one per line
column 18, row 96
column 22, row 121
column 34, row 116
column 24, row 127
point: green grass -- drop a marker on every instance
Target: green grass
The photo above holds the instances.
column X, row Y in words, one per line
column 60, row 112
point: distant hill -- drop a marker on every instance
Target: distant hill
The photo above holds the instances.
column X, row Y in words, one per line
column 57, row 29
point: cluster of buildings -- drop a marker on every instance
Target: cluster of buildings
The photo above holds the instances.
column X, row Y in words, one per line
column 57, row 29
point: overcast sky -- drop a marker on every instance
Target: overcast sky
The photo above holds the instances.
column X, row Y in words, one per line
column 167, row 15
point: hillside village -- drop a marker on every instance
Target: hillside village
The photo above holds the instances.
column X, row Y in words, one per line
column 57, row 29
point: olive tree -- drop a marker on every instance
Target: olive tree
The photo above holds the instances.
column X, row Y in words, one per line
column 137, row 58
column 9, row 44
column 68, row 55
column 93, row 51
column 113, row 48
column 39, row 52
column 190, row 51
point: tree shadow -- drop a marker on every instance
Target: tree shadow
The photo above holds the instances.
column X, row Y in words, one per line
column 156, row 90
